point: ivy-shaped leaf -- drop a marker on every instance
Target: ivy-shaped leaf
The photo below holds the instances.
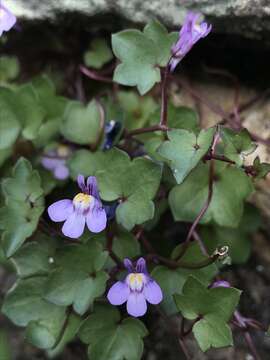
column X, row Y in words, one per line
column 31, row 112
column 237, row 145
column 24, row 203
column 140, row 54
column 25, row 306
column 231, row 187
column 134, row 183
column 260, row 169
column 238, row 240
column 78, row 277
column 81, row 125
column 35, row 258
column 109, row 338
column 184, row 150
column 172, row 280
column 98, row 55
column 10, row 125
column 54, row 107
column 214, row 307
column 137, row 109
column 163, row 40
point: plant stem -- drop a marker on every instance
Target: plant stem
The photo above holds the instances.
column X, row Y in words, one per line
column 251, row 345
column 94, row 75
column 153, row 128
column 164, row 98
column 208, row 200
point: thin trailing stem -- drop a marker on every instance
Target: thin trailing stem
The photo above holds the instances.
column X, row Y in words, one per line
column 149, row 129
column 174, row 331
column 251, row 345
column 164, row 98
column 207, row 202
column 174, row 264
column 94, row 75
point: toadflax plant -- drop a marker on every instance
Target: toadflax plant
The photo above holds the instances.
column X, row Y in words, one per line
column 161, row 210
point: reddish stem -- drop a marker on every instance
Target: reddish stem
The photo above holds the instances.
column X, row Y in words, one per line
column 164, row 99
column 207, row 202
column 146, row 130
column 94, row 75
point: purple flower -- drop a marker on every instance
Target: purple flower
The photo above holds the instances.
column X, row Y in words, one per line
column 7, row 19
column 191, row 32
column 137, row 288
column 221, row 283
column 86, row 207
column 55, row 161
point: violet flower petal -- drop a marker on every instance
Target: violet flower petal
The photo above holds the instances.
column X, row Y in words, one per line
column 61, row 172
column 7, row 19
column 74, row 225
column 128, row 265
column 96, row 218
column 152, row 292
column 221, row 283
column 118, row 293
column 136, row 304
column 49, row 163
column 92, row 187
column 60, row 210
column 81, row 183
column 141, row 266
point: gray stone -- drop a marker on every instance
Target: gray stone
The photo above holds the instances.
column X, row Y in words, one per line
column 250, row 18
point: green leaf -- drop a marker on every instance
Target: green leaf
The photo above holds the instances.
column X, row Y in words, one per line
column 140, row 54
column 31, row 112
column 260, row 169
column 86, row 162
column 163, row 40
column 172, row 281
column 24, row 203
column 137, row 109
column 237, row 145
column 134, row 182
column 183, row 117
column 71, row 330
column 78, row 277
column 212, row 332
column 24, row 306
column 98, row 55
column 54, row 107
column 109, row 339
column 9, row 119
column 35, row 258
column 5, row 346
column 214, row 307
column 125, row 245
column 4, row 155
column 238, row 240
column 43, row 333
column 184, row 150
column 231, row 187
column 9, row 68
column 81, row 124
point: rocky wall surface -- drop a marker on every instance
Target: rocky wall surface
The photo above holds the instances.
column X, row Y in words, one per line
column 249, row 18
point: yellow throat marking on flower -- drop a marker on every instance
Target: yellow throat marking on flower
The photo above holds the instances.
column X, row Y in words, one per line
column 63, row 151
column 136, row 281
column 83, row 199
